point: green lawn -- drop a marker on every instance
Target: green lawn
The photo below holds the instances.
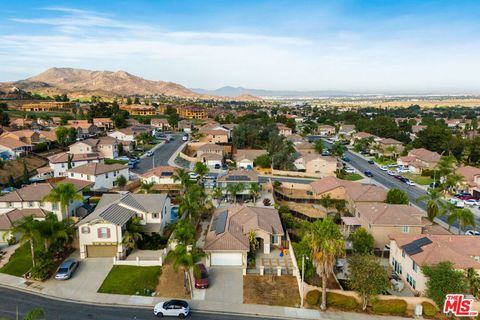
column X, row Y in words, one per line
column 385, row 162
column 113, row 161
column 352, row 177
column 130, row 280
column 20, row 262
column 418, row 179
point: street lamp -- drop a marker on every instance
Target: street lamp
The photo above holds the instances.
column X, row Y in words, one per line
column 303, row 279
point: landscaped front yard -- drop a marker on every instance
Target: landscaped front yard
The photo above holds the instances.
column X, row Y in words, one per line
column 385, row 161
column 271, row 290
column 352, row 177
column 20, row 262
column 418, row 179
column 131, row 280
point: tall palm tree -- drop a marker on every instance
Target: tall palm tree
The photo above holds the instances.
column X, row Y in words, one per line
column 182, row 176
column 202, row 170
column 217, row 193
column 452, row 181
column 234, row 189
column 63, row 193
column 184, row 233
column 465, row 218
column 182, row 258
column 192, row 201
column 54, row 232
column 327, row 244
column 254, row 191
column 132, row 234
column 147, row 186
column 433, row 196
column 28, row 228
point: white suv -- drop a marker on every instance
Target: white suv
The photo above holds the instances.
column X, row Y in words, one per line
column 175, row 308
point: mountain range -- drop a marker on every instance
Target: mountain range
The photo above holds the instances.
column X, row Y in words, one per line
column 230, row 91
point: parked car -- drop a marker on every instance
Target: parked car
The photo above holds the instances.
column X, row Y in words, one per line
column 384, row 168
column 410, row 182
column 132, row 164
column 176, row 308
column 471, row 202
column 123, row 158
column 371, row 162
column 368, row 173
column 346, row 159
column 66, row 269
column 457, row 202
column 403, row 179
column 391, row 173
column 149, row 153
column 402, row 170
column 463, row 194
column 397, row 176
column 434, row 185
column 217, row 166
column 185, row 137
column 472, row 233
column 349, row 170
column 201, row 276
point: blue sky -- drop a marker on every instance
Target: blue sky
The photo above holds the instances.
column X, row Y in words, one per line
column 367, row 46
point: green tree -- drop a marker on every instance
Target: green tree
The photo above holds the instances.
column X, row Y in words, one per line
column 28, row 231
column 4, row 119
column 254, row 190
column 433, row 196
column 132, row 233
column 263, row 161
column 121, row 181
column 217, row 193
column 319, row 146
column 200, row 169
column 192, row 201
column 362, row 241
column 338, row 149
column 72, row 135
column 147, row 187
column 64, row 194
column 443, row 279
column 233, row 189
column 56, row 234
column 181, row 175
column 464, row 217
column 367, row 277
column 253, row 241
column 473, row 280
column 129, row 101
column 120, row 121
column 327, row 244
column 62, row 136
column 35, row 314
column 396, row 196
column 185, row 233
column 143, row 138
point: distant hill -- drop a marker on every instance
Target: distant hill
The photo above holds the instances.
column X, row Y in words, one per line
column 85, row 83
column 230, row 91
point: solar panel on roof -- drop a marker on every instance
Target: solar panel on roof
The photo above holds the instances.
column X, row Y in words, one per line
column 422, row 241
column 221, row 222
column 412, row 248
column 237, row 178
column 167, row 174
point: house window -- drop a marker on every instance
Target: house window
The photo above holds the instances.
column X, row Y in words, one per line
column 85, row 230
column 106, row 175
column 411, row 281
column 414, row 267
column 103, row 233
column 71, row 174
column 63, row 165
column 30, row 204
column 274, row 239
column 88, row 178
column 155, row 215
column 54, row 206
column 9, row 204
column 41, row 204
column 406, row 229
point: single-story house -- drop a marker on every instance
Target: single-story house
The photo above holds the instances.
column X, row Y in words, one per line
column 245, row 158
column 9, row 216
column 104, row 124
column 315, row 164
column 419, row 159
column 11, row 148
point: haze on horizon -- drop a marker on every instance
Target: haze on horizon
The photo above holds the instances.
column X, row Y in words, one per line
column 360, row 46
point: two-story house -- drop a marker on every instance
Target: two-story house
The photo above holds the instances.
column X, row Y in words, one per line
column 106, row 146
column 471, row 179
column 101, row 232
column 11, row 148
column 419, row 159
column 62, row 161
column 284, row 130
column 83, row 127
column 103, row 176
column 104, row 124
column 316, row 165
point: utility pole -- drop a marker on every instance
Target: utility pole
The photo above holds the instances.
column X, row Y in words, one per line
column 303, row 280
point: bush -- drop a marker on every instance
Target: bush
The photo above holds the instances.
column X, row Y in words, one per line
column 427, row 173
column 341, row 301
column 429, row 310
column 40, row 147
column 313, row 297
column 43, row 267
column 152, row 242
column 392, row 307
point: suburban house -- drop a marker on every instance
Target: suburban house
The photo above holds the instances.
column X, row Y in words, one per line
column 47, row 136
column 383, row 219
column 84, row 129
column 304, row 148
column 20, row 123
column 12, row 148
column 390, row 147
column 295, row 138
column 471, row 177
column 105, row 146
column 9, row 216
column 162, row 177
column 25, row 136
column 130, row 133
column 245, row 177
column 103, row 176
column 226, row 242
column 105, row 124
column 215, row 133
column 245, row 158
column 419, row 159
column 160, row 123
column 43, row 174
column 317, row 165
column 101, row 232
column 31, row 197
column 410, row 252
column 209, row 148
column 59, row 162
column 417, row 128
column 284, row 130
column 346, row 130
column 362, row 135
column 185, row 126
column 325, row 130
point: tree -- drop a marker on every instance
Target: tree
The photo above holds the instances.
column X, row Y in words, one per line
column 452, row 181
column 27, row 228
column 473, row 280
column 396, row 196
column 132, row 233
column 434, row 138
column 4, row 119
column 129, row 101
column 35, row 314
column 445, row 165
column 26, row 176
column 443, row 279
column 362, row 241
column 185, row 233
column 62, row 135
column 120, row 121
column 338, row 149
column 263, row 161
column 433, row 196
column 192, row 201
column 253, row 241
column 72, row 135
column 64, row 194
column 55, row 233
column 327, row 244
column 254, row 190
column 200, row 169
column 464, row 217
column 147, row 186
column 143, row 138
column 182, row 176
column 121, row 181
column 217, row 193
column 319, row 146
column 367, row 277
column 233, row 189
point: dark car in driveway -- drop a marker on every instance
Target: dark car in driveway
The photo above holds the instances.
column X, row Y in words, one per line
column 201, row 276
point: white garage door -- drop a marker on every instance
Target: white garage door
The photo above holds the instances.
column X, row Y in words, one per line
column 226, row 259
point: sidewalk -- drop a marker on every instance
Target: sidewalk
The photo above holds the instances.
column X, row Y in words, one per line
column 171, row 161
column 153, row 149
column 20, row 284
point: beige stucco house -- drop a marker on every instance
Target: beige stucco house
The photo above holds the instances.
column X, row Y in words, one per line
column 316, row 165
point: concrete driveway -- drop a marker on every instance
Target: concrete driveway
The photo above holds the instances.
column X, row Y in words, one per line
column 86, row 280
column 226, row 285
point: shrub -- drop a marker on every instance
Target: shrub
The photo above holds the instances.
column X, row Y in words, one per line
column 341, row 301
column 44, row 267
column 152, row 242
column 393, row 307
column 40, row 147
column 313, row 297
column 429, row 310
column 427, row 173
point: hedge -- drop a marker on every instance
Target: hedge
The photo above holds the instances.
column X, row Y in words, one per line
column 429, row 310
column 313, row 297
column 341, row 301
column 392, row 307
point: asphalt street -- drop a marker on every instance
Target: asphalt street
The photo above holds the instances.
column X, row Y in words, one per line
column 13, row 300
column 160, row 156
column 382, row 178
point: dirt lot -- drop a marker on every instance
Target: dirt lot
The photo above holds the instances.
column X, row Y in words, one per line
column 171, row 283
column 271, row 290
column 15, row 167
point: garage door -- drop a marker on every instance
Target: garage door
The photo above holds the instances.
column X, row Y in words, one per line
column 226, row 259
column 101, row 251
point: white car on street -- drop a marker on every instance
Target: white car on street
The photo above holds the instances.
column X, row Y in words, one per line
column 384, row 168
column 410, row 182
column 350, row 170
column 402, row 170
column 472, row 233
column 471, row 202
column 458, row 203
column 391, row 173
column 175, row 308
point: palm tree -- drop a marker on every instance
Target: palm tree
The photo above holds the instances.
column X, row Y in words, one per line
column 147, row 186
column 235, row 188
column 254, row 190
column 433, row 196
column 63, row 193
column 327, row 244
column 34, row 314
column 452, row 181
column 56, row 233
column 28, row 228
column 445, row 165
column 132, row 234
column 200, row 169
column 182, row 176
column 192, row 201
column 184, row 233
column 217, row 193
column 143, row 138
column 182, row 258
column 465, row 218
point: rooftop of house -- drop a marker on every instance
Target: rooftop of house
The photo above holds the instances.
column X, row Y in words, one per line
column 390, row 141
column 347, row 128
column 366, row 193
column 425, row 155
column 248, row 154
column 230, row 226
column 315, row 156
column 7, row 219
column 11, row 143
column 95, row 168
column 161, row 172
column 210, row 147
column 240, row 176
column 469, row 173
column 211, row 156
column 22, row 133
column 433, row 249
column 37, row 191
column 108, row 120
column 63, row 157
column 330, row 183
column 377, row 213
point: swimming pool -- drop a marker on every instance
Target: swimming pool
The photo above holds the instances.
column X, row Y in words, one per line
column 174, row 214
